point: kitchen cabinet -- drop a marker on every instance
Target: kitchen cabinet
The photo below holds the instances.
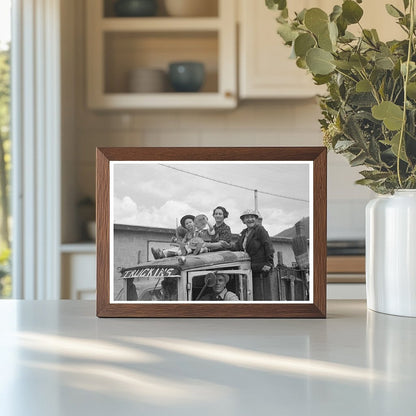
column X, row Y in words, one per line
column 78, row 263
column 265, row 70
column 118, row 45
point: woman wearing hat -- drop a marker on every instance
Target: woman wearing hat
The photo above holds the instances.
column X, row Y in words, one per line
column 221, row 239
column 255, row 240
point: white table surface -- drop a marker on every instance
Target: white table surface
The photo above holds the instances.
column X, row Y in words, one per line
column 57, row 358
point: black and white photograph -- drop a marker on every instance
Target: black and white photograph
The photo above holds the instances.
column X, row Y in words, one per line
column 232, row 231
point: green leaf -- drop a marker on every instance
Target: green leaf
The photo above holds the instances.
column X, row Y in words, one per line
column 285, row 13
column 374, row 150
column 382, row 89
column 351, row 11
column 319, row 61
column 301, row 63
column 353, row 131
column 384, row 62
column 316, row 20
column 287, row 33
column 396, row 70
column 365, row 182
column 363, row 86
column 394, row 143
column 336, row 12
column 303, row 43
column 342, row 25
column 333, row 32
column 325, row 42
column 358, row 61
column 345, row 65
column 343, row 145
column 281, row 19
column 347, row 37
column 276, row 4
column 374, row 174
column 375, row 35
column 362, row 99
column 391, row 114
column 321, row 79
column 393, row 11
column 411, row 90
column 358, row 160
column 405, row 21
column 412, row 67
column 301, row 15
column 368, row 36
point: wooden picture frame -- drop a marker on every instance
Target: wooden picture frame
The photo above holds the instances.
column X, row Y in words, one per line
column 147, row 162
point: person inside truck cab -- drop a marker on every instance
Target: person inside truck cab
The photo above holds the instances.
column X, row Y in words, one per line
column 221, row 239
column 220, row 291
column 256, row 242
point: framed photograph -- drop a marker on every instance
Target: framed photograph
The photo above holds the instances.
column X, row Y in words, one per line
column 211, row 232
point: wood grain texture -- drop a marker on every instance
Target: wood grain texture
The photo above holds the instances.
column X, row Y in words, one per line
column 103, row 230
column 317, row 309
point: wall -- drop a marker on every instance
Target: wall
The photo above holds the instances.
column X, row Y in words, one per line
column 253, row 123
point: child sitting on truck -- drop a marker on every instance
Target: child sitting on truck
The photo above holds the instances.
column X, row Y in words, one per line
column 190, row 237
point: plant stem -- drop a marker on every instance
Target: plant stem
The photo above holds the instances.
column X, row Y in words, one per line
column 346, row 75
column 373, row 88
column 406, row 79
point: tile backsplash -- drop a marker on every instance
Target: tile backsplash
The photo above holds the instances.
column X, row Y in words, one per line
column 257, row 123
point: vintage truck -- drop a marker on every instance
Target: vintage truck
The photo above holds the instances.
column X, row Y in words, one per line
column 187, row 278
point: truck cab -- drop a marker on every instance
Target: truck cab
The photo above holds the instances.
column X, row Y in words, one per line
column 187, row 278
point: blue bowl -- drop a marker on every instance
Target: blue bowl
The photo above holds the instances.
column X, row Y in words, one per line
column 135, row 8
column 186, row 76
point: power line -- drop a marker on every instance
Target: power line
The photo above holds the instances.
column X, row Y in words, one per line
column 234, row 185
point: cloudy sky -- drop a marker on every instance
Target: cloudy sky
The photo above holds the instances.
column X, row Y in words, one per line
column 158, row 194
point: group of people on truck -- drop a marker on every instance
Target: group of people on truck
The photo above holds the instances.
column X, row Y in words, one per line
column 196, row 235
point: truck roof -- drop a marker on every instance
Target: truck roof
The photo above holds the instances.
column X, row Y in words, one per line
column 196, row 261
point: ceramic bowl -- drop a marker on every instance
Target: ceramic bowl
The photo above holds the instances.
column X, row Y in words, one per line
column 147, row 80
column 186, row 76
column 135, row 8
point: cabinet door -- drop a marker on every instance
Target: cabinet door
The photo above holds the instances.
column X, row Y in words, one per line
column 266, row 71
column 78, row 276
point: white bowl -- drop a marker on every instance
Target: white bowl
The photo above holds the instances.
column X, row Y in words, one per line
column 147, row 80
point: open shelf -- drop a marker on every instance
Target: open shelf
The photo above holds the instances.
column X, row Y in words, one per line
column 127, row 51
column 116, row 46
column 160, row 24
column 209, row 9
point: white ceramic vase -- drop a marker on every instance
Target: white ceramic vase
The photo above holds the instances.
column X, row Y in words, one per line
column 391, row 253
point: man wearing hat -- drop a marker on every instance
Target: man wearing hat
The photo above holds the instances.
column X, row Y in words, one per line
column 256, row 242
column 220, row 291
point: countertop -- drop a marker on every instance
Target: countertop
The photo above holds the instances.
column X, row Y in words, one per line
column 57, row 358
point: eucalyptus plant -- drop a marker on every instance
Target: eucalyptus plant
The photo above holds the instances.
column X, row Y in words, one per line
column 369, row 111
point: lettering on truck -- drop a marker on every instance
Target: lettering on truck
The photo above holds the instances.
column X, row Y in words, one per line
column 150, row 272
